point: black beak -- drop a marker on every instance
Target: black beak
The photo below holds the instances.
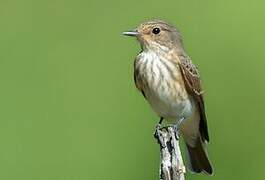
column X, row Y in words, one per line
column 131, row 33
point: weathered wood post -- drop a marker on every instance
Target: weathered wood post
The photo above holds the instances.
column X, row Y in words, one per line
column 171, row 163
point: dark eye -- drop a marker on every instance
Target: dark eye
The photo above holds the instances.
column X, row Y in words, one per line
column 156, row 30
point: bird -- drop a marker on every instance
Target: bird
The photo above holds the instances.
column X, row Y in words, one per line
column 171, row 84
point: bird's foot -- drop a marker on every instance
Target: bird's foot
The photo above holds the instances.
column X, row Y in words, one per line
column 158, row 127
column 176, row 127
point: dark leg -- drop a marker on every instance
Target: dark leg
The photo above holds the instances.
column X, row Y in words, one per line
column 161, row 120
column 158, row 126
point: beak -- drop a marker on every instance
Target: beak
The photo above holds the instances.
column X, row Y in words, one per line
column 131, row 33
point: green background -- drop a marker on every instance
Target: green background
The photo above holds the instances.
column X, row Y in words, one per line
column 69, row 109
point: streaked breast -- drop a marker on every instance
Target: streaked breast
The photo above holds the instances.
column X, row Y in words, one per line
column 162, row 83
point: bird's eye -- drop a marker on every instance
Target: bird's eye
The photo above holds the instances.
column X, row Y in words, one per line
column 156, row 30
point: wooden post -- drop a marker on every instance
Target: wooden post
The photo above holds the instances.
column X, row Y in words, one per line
column 171, row 163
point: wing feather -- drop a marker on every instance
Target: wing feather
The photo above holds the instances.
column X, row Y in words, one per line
column 137, row 81
column 193, row 85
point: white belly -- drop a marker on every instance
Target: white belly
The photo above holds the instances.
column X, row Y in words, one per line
column 169, row 107
column 163, row 88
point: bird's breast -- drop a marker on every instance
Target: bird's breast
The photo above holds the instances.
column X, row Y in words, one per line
column 162, row 83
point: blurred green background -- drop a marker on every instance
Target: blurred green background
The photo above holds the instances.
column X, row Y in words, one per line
column 69, row 109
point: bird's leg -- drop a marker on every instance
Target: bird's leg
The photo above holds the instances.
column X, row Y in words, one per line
column 158, row 126
column 177, row 126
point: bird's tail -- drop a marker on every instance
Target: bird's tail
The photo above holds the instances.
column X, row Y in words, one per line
column 198, row 159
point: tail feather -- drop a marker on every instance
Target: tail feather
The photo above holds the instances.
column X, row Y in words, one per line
column 198, row 158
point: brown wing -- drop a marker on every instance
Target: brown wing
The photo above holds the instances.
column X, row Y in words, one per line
column 193, row 85
column 137, row 80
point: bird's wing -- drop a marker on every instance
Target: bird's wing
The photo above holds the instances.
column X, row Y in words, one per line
column 137, row 80
column 193, row 85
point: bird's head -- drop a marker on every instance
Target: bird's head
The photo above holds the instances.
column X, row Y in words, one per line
column 156, row 34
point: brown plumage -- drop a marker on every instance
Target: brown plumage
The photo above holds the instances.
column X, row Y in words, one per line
column 170, row 82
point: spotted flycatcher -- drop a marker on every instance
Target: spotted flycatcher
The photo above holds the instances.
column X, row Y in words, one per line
column 171, row 84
